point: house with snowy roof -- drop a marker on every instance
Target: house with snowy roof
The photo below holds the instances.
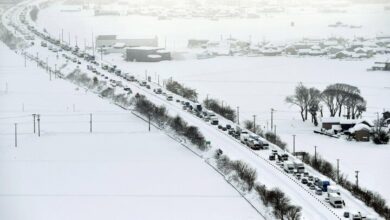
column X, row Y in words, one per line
column 360, row 132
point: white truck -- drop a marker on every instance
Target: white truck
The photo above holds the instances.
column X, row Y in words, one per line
column 335, row 200
column 333, row 189
column 244, row 136
column 298, row 165
column 288, row 166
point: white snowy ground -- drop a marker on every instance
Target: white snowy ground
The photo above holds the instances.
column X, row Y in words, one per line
column 257, row 84
column 120, row 171
column 268, row 174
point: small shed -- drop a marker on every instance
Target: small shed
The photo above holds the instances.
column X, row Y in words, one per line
column 328, row 123
column 361, row 132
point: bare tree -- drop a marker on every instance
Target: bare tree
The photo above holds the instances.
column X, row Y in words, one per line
column 300, row 99
column 294, row 212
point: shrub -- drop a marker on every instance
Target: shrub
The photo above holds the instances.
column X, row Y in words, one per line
column 225, row 111
column 271, row 137
column 181, row 90
column 380, row 137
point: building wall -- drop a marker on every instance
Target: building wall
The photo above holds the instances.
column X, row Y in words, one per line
column 328, row 125
column 141, row 55
column 149, row 42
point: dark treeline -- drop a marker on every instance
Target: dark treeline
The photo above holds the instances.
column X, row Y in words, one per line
column 179, row 89
column 246, row 176
column 224, row 110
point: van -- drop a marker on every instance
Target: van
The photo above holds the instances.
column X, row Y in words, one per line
column 214, row 121
column 254, row 145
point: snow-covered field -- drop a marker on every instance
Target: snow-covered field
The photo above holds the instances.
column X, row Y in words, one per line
column 257, row 84
column 176, row 32
column 120, row 171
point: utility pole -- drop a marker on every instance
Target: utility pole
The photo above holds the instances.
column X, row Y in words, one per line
column 254, row 123
column 39, row 125
column 37, row 60
column 238, row 114
column 338, row 170
column 93, row 47
column 90, row 123
column 16, row 135
column 315, row 154
column 294, row 144
column 357, row 178
column 272, row 119
column 34, row 121
column 158, row 79
column 55, row 71
column 149, row 121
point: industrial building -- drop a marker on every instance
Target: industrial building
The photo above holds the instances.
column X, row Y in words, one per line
column 111, row 40
column 147, row 54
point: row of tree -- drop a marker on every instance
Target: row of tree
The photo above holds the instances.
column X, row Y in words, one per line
column 224, row 110
column 159, row 115
column 370, row 198
column 335, row 97
column 179, row 89
column 246, row 176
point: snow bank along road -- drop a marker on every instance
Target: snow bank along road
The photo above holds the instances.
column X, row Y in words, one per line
column 313, row 207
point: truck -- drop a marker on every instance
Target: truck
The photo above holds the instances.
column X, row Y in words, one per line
column 335, row 200
column 244, row 136
column 322, row 184
column 197, row 107
column 333, row 189
column 298, row 164
column 288, row 166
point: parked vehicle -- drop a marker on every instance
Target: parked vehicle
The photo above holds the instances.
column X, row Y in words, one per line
column 169, row 98
column 214, row 121
column 333, row 189
column 271, row 157
column 318, row 191
column 288, row 166
column 158, row 91
column 335, row 200
column 322, row 183
column 254, row 144
column 244, row 136
column 298, row 164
